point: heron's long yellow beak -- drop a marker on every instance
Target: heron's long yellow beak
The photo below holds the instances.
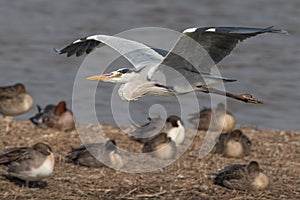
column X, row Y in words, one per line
column 102, row 77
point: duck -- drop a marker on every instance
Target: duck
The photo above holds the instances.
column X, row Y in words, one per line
column 14, row 100
column 86, row 155
column 173, row 126
column 242, row 177
column 54, row 116
column 29, row 164
column 233, row 144
column 214, row 119
column 161, row 146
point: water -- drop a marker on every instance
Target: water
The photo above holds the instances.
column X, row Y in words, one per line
column 266, row 66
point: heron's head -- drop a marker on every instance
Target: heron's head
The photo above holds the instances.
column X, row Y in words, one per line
column 122, row 75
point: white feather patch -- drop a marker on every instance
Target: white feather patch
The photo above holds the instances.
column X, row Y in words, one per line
column 177, row 134
column 211, row 30
column 190, row 30
column 93, row 37
column 76, row 41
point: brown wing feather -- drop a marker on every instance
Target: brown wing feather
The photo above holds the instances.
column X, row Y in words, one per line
column 15, row 155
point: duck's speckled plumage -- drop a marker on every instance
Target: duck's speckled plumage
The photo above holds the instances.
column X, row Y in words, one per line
column 86, row 155
column 29, row 163
column 242, row 177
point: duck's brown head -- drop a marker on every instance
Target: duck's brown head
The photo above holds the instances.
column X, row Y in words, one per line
column 42, row 148
column 259, row 179
column 20, row 87
column 60, row 108
column 245, row 141
column 253, row 167
column 238, row 144
column 236, row 135
column 220, row 107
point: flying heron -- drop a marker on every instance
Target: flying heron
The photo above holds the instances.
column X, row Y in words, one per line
column 193, row 43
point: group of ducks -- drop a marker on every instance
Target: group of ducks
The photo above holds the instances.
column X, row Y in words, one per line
column 35, row 163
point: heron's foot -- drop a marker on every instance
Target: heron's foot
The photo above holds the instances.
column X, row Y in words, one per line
column 249, row 99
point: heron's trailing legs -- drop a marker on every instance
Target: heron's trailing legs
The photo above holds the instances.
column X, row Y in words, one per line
column 241, row 97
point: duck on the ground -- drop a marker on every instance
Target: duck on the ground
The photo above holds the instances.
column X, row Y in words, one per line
column 54, row 116
column 242, row 177
column 29, row 164
column 14, row 100
column 96, row 155
column 233, row 144
column 161, row 146
column 217, row 119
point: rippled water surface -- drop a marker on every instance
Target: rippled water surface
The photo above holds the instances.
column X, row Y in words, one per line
column 266, row 66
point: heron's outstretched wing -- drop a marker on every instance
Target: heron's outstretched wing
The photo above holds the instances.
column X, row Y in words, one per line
column 219, row 41
column 199, row 49
column 215, row 42
column 136, row 53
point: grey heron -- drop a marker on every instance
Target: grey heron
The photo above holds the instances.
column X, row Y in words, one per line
column 217, row 42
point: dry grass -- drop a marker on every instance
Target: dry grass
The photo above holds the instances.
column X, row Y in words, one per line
column 278, row 153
